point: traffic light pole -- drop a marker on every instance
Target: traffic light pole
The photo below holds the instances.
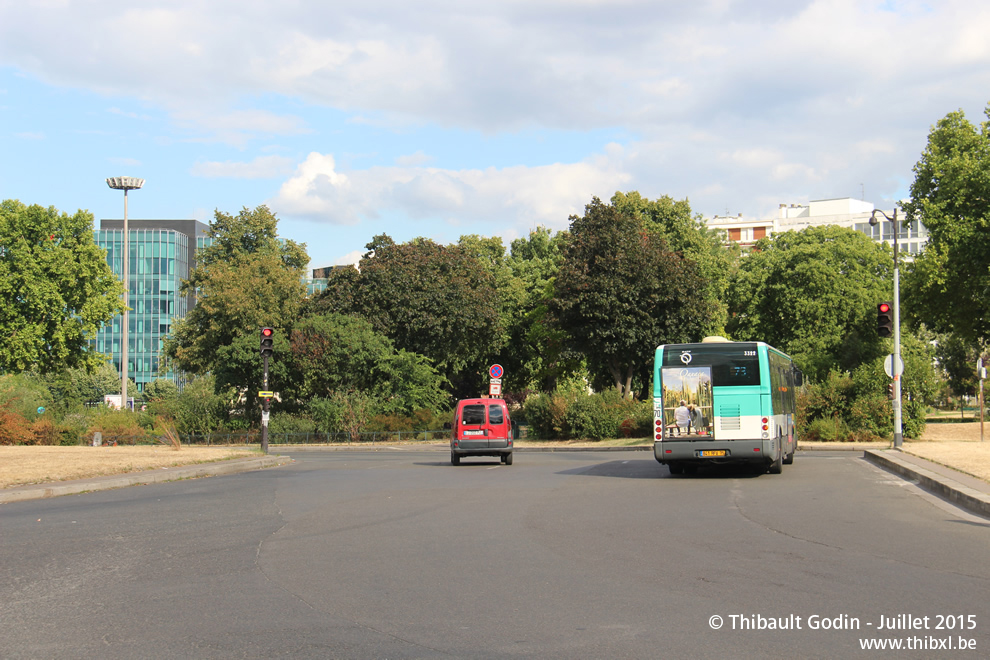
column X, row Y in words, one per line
column 267, row 347
column 898, row 428
column 264, row 409
column 896, row 362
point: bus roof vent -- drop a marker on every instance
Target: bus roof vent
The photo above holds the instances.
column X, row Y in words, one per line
column 715, row 340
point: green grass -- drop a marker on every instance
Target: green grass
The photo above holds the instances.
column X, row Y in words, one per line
column 954, row 416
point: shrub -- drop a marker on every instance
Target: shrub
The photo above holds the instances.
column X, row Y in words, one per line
column 872, row 415
column 546, row 415
column 827, row 429
column 587, row 416
column 282, row 422
column 14, row 429
column 46, row 432
column 121, row 426
column 593, row 417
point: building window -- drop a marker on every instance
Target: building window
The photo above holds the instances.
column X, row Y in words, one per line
column 759, row 232
column 735, row 235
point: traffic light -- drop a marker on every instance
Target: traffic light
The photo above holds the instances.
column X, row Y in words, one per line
column 890, row 391
column 267, row 342
column 885, row 319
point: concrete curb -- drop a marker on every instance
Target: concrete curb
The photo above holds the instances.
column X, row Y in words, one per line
column 40, row 491
column 445, row 448
column 960, row 489
column 525, row 448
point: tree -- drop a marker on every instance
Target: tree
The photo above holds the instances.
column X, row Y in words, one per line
column 813, row 294
column 249, row 232
column 947, row 285
column 540, row 354
column 248, row 278
column 687, row 234
column 56, row 289
column 957, row 358
column 620, row 292
column 337, row 353
column 434, row 300
column 160, row 389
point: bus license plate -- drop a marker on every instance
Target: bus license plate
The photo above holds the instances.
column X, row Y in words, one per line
column 710, row 453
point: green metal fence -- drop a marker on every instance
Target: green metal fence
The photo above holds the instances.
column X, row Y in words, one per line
column 313, row 438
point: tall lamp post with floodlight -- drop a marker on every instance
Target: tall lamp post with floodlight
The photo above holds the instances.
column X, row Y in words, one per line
column 124, row 183
column 896, row 365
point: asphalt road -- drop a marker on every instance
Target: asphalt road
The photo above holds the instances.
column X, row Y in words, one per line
column 565, row 555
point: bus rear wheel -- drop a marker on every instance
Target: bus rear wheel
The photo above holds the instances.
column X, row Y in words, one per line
column 777, row 466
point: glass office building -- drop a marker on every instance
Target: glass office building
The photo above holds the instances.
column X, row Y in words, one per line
column 162, row 254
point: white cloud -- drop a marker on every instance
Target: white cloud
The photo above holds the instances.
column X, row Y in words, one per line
column 499, row 65
column 517, row 196
column 731, row 104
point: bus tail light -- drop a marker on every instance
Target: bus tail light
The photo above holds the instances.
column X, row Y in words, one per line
column 766, row 424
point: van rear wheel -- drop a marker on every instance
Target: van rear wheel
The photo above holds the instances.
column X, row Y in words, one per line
column 507, row 459
column 454, row 459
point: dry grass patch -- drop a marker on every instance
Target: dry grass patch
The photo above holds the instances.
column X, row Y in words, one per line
column 954, row 445
column 972, row 458
column 33, row 465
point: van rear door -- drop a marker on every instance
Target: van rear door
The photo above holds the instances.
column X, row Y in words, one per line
column 499, row 429
column 472, row 427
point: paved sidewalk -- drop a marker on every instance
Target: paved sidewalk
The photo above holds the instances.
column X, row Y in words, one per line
column 55, row 489
column 961, row 489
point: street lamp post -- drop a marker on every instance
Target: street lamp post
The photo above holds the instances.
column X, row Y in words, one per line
column 895, row 368
column 124, row 183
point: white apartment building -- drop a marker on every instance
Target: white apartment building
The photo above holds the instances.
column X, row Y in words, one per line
column 844, row 212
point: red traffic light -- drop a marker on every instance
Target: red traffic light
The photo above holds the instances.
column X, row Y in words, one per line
column 267, row 342
column 885, row 319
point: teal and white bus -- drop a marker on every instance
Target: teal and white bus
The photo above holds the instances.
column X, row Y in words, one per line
column 740, row 399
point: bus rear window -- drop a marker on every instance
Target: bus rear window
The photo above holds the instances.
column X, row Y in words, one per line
column 738, row 365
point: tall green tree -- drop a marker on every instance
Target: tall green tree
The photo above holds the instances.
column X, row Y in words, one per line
column 435, row 300
column 620, row 292
column 247, row 278
column 56, row 289
column 685, row 233
column 539, row 354
column 947, row 286
column 813, row 294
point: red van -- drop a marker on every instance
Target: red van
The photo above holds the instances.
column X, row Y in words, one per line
column 481, row 427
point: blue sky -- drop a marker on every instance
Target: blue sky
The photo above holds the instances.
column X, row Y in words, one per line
column 441, row 118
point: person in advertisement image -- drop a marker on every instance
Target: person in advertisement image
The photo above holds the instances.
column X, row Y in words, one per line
column 691, row 387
